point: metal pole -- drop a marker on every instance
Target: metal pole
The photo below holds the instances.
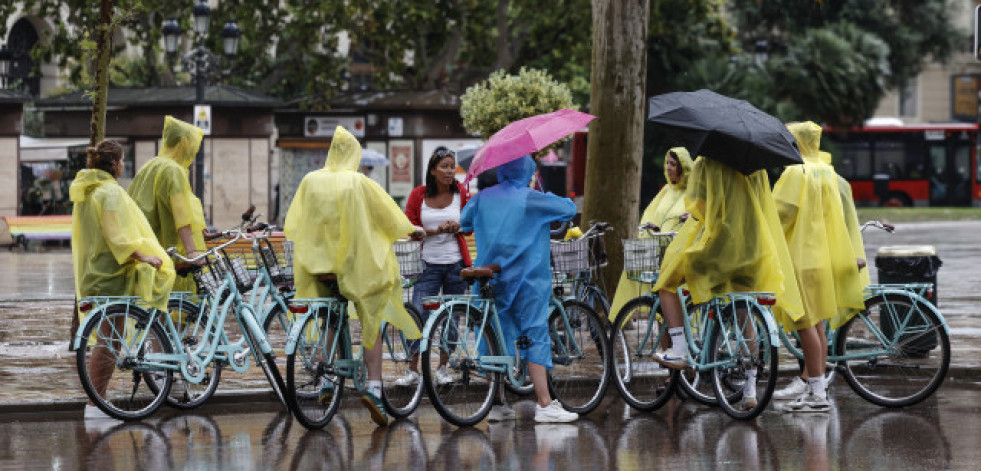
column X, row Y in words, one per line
column 199, row 78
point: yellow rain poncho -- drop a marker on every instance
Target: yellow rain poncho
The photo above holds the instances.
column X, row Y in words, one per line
column 342, row 222
column 163, row 192
column 810, row 202
column 663, row 212
column 107, row 227
column 732, row 242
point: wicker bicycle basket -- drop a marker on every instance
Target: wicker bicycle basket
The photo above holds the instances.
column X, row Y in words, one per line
column 277, row 257
column 642, row 257
column 409, row 254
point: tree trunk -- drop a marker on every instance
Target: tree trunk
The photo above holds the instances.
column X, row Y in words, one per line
column 616, row 138
column 103, row 54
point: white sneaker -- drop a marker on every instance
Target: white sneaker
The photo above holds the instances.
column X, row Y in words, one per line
column 809, row 403
column 670, row 360
column 791, row 391
column 410, row 378
column 553, row 413
column 94, row 413
column 443, row 376
column 500, row 413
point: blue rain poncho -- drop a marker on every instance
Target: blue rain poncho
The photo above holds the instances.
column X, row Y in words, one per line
column 810, row 202
column 511, row 226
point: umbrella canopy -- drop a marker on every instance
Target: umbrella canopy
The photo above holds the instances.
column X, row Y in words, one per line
column 373, row 158
column 730, row 131
column 525, row 136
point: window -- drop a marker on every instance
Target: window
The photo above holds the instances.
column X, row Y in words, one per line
column 907, row 98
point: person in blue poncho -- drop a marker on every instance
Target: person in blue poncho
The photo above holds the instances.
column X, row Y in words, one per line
column 511, row 226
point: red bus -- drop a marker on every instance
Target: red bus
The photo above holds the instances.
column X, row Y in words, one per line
column 908, row 165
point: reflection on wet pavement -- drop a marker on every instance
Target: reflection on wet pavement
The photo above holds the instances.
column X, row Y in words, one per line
column 942, row 433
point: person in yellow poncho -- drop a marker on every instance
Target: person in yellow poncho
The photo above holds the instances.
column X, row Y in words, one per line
column 732, row 243
column 114, row 252
column 810, row 202
column 665, row 213
column 162, row 190
column 342, row 222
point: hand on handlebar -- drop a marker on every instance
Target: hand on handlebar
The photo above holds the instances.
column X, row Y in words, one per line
column 861, row 263
column 151, row 260
column 194, row 254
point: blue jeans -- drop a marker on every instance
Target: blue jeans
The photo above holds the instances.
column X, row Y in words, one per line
column 436, row 277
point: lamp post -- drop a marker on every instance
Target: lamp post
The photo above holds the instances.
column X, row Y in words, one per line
column 201, row 62
column 5, row 59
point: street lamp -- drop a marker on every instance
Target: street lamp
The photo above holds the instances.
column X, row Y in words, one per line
column 201, row 62
column 5, row 59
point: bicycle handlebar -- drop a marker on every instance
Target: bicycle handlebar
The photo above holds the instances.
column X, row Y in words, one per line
column 235, row 235
column 879, row 225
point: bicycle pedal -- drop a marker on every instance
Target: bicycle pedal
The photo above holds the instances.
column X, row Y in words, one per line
column 523, row 342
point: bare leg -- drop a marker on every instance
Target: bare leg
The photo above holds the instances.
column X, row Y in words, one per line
column 102, row 362
column 824, row 344
column 539, row 378
column 671, row 308
column 812, row 347
column 373, row 359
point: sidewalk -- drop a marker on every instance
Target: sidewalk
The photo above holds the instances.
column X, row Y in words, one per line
column 36, row 295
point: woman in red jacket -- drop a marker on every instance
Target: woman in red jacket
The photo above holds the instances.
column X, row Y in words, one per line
column 434, row 208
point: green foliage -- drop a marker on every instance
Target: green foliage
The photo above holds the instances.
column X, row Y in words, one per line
column 680, row 34
column 490, row 105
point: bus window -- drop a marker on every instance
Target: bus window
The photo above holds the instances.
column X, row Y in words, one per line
column 855, row 160
column 938, row 171
column 961, row 184
column 890, row 158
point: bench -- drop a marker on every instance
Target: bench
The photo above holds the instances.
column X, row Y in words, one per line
column 24, row 229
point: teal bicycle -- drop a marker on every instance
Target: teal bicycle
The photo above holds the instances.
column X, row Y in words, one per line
column 466, row 328
column 134, row 350
column 896, row 352
column 320, row 358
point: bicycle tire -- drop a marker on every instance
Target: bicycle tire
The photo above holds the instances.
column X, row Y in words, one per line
column 311, row 365
column 642, row 383
column 466, row 399
column 905, row 356
column 400, row 401
column 695, row 383
column 578, row 379
column 276, row 327
column 124, row 398
column 185, row 395
column 730, row 378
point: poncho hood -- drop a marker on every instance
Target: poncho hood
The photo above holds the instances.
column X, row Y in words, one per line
column 684, row 158
column 181, row 141
column 825, row 157
column 344, row 153
column 808, row 136
column 518, row 172
column 86, row 181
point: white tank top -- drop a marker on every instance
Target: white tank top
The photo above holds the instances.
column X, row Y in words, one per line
column 440, row 248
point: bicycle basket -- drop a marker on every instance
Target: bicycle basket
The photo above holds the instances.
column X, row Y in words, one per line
column 242, row 264
column 210, row 277
column 571, row 258
column 642, row 257
column 409, row 254
column 277, row 257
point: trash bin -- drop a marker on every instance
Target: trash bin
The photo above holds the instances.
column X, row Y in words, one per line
column 909, row 264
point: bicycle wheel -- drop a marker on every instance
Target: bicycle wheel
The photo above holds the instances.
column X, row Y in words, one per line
column 636, row 334
column 110, row 364
column 276, row 327
column 465, row 397
column 579, row 375
column 741, row 343
column 311, row 368
column 184, row 394
column 894, row 366
column 697, row 384
column 400, row 401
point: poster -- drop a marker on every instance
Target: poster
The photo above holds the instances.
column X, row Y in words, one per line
column 401, row 166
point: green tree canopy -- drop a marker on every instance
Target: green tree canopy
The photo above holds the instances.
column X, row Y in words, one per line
column 490, row 105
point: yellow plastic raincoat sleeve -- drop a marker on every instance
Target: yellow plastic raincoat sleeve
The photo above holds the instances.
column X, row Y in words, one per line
column 341, row 222
column 107, row 227
column 809, row 202
column 734, row 242
column 664, row 210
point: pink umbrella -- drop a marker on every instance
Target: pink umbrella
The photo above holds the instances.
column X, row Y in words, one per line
column 525, row 136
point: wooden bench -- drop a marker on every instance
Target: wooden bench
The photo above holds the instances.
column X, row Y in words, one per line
column 24, row 229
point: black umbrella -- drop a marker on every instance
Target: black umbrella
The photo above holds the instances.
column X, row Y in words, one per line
column 464, row 156
column 730, row 131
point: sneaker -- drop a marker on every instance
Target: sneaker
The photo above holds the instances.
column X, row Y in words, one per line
column 792, row 391
column 809, row 403
column 554, row 412
column 670, row 360
column 410, row 378
column 442, row 376
column 94, row 413
column 500, row 413
column 375, row 407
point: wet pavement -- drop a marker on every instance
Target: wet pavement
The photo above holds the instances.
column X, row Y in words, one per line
column 941, row 433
